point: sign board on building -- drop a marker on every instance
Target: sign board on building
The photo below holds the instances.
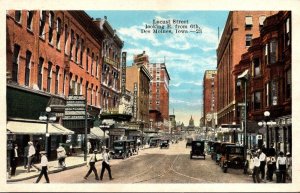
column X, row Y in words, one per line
column 135, row 90
column 118, row 132
column 123, row 72
column 110, row 61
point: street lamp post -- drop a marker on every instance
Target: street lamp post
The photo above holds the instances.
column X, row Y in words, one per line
column 47, row 116
column 266, row 123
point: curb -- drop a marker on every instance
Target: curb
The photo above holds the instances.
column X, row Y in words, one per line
column 50, row 172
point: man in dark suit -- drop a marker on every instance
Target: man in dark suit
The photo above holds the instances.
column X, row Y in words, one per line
column 14, row 159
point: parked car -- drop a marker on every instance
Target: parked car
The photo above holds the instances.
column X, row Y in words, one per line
column 121, row 149
column 232, row 157
column 164, row 144
column 154, row 142
column 197, row 149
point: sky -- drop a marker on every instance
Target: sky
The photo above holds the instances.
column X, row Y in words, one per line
column 187, row 55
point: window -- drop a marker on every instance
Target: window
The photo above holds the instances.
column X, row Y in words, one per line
column 40, row 72
column 256, row 67
column 248, row 39
column 248, row 22
column 18, row 16
column 266, row 54
column 81, row 51
column 92, row 64
column 87, row 59
column 157, row 102
column 261, row 20
column 274, row 92
column 27, row 68
column 287, row 32
column 288, row 78
column 51, row 25
column 96, row 96
column 58, row 32
column 77, row 48
column 97, row 60
column 49, row 76
column 66, row 39
column 273, row 51
column 29, row 19
column 15, row 67
column 267, row 98
column 42, row 24
column 57, row 79
column 257, row 100
column 64, row 82
column 92, row 94
column 71, row 44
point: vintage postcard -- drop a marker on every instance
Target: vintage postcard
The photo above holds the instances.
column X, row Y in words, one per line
column 154, row 96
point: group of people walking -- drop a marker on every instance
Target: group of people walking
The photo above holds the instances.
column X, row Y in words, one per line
column 282, row 166
column 105, row 165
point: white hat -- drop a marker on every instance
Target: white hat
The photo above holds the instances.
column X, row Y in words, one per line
column 288, row 153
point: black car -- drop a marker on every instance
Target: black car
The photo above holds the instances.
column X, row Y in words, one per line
column 121, row 149
column 154, row 142
column 164, row 144
column 197, row 149
column 232, row 157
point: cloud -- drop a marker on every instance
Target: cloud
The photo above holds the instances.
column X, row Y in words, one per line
column 180, row 83
column 134, row 32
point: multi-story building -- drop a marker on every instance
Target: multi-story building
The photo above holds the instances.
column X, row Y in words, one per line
column 268, row 62
column 111, row 70
column 209, row 98
column 240, row 28
column 159, row 95
column 137, row 82
column 51, row 55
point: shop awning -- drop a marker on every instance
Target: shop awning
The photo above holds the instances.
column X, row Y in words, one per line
column 97, row 133
column 36, row 128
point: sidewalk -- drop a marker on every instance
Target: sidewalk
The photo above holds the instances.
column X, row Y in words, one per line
column 71, row 162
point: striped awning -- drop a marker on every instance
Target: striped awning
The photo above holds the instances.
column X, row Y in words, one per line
column 36, row 128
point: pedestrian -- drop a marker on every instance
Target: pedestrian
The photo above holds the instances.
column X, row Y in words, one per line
column 256, row 163
column 44, row 165
column 270, row 168
column 89, row 147
column 25, row 155
column 92, row 162
column 281, row 165
column 61, row 156
column 262, row 159
column 289, row 166
column 105, row 164
column 37, row 147
column 14, row 159
column 31, row 154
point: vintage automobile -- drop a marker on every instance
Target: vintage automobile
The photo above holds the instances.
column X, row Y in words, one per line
column 154, row 142
column 133, row 148
column 121, row 149
column 188, row 141
column 197, row 149
column 232, row 157
column 164, row 143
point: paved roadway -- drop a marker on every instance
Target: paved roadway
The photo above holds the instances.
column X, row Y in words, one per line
column 156, row 165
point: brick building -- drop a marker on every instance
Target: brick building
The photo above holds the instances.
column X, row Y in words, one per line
column 210, row 98
column 137, row 82
column 240, row 28
column 159, row 95
column 51, row 55
column 268, row 61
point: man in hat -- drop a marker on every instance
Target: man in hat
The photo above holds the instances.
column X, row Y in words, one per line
column 44, row 165
column 31, row 154
column 105, row 164
column 92, row 162
column 289, row 166
column 256, row 163
column 262, row 159
column 281, row 165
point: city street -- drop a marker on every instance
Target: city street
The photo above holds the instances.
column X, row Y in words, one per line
column 155, row 165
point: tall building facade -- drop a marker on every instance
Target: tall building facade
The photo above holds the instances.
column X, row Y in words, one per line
column 50, row 56
column 159, row 95
column 269, row 86
column 210, row 98
column 111, row 70
column 240, row 28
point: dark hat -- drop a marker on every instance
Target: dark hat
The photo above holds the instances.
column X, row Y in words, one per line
column 43, row 152
column 281, row 153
